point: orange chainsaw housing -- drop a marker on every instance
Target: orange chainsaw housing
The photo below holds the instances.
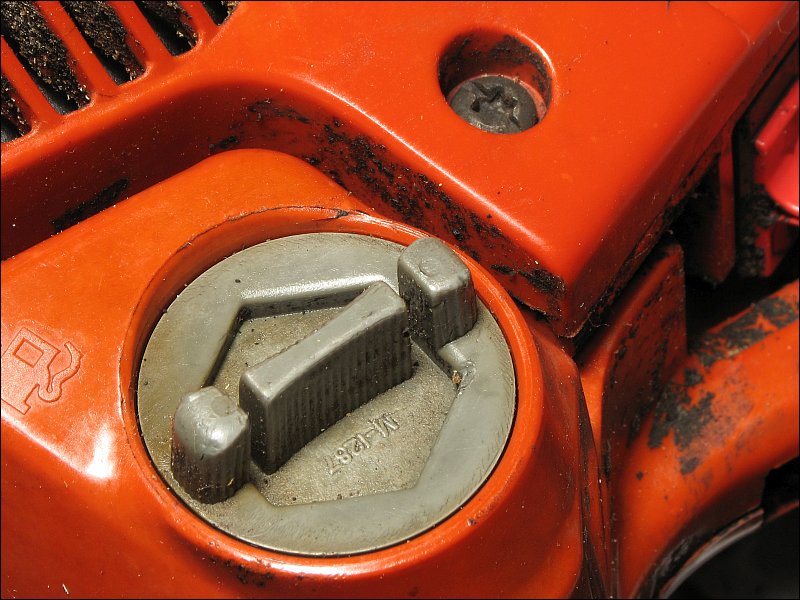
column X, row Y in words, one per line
column 640, row 438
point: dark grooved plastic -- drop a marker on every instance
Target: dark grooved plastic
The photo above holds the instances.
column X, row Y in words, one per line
column 43, row 55
column 14, row 122
column 100, row 25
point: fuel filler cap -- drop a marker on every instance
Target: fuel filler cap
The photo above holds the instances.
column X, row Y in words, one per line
column 327, row 394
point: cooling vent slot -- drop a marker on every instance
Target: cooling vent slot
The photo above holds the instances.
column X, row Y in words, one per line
column 44, row 57
column 219, row 11
column 13, row 121
column 106, row 35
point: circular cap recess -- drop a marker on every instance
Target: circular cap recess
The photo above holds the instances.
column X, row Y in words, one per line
column 327, row 394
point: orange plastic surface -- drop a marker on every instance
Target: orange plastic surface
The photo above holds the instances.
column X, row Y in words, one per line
column 686, row 439
column 301, row 117
column 729, row 416
column 111, row 524
column 562, row 213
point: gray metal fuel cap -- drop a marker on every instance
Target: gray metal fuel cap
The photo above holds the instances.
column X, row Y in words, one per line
column 373, row 390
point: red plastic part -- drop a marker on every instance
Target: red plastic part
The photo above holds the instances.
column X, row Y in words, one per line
column 778, row 161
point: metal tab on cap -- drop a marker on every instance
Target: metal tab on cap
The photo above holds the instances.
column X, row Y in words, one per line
column 438, row 289
column 291, row 397
column 210, row 445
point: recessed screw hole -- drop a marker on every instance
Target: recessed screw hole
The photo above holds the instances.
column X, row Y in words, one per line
column 495, row 82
